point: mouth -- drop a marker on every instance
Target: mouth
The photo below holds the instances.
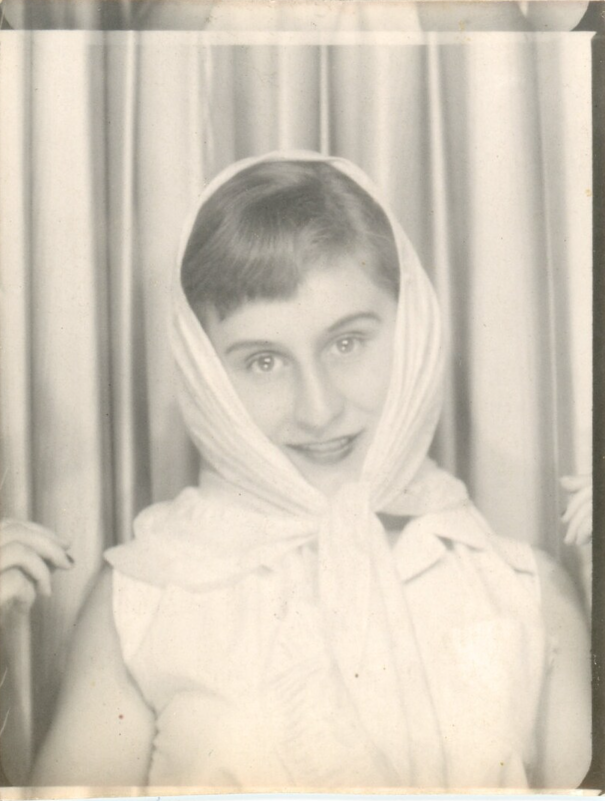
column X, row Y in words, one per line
column 326, row 452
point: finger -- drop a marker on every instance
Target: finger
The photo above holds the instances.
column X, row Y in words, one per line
column 582, row 518
column 581, row 537
column 584, row 534
column 15, row 587
column 16, row 528
column 10, row 525
column 17, row 555
column 48, row 548
column 574, row 483
column 577, row 500
column 580, row 528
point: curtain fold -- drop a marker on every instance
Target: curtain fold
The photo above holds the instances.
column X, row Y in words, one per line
column 69, row 421
column 506, row 377
column 484, row 149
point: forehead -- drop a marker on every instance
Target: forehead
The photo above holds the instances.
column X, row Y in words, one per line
column 323, row 298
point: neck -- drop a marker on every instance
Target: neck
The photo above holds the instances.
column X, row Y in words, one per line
column 393, row 526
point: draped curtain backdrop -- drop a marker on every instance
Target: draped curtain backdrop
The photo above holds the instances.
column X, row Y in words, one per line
column 481, row 142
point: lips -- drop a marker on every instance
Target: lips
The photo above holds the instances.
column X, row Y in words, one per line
column 328, row 451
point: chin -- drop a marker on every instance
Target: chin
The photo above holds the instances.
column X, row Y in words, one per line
column 329, row 482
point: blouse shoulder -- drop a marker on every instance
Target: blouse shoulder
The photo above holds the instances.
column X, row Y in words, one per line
column 134, row 605
column 465, row 525
column 461, row 532
column 516, row 553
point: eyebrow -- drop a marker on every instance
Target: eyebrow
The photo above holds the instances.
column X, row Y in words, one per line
column 249, row 343
column 355, row 318
column 344, row 321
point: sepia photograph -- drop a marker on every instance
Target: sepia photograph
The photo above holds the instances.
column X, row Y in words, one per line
column 296, row 397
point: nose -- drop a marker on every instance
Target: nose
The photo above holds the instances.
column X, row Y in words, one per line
column 319, row 402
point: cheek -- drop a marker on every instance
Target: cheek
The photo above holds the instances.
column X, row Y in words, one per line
column 372, row 391
column 367, row 387
column 268, row 403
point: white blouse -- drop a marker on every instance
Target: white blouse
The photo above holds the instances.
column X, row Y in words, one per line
column 246, row 695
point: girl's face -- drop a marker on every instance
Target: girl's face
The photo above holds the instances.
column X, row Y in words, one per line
column 313, row 371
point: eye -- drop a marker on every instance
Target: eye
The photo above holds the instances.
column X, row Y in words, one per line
column 347, row 346
column 265, row 364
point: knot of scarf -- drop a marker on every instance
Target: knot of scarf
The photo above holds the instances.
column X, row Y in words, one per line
column 372, row 638
column 200, row 542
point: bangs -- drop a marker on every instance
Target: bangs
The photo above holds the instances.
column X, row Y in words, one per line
column 265, row 229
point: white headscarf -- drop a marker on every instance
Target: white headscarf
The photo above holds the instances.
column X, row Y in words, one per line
column 256, row 507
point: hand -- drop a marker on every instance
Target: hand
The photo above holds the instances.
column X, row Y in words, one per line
column 578, row 514
column 29, row 554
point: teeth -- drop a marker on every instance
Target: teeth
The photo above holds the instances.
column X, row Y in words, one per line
column 327, row 453
column 326, row 447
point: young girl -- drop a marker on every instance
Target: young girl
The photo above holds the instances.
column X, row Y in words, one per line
column 327, row 608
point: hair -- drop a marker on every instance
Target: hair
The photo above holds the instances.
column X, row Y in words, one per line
column 263, row 230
